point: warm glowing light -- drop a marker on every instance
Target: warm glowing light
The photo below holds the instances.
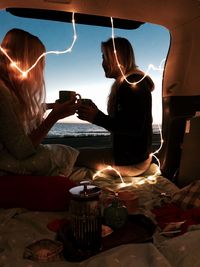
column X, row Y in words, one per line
column 24, row 75
column 135, row 181
column 156, row 152
column 25, row 72
column 108, row 168
column 152, row 179
column 141, row 182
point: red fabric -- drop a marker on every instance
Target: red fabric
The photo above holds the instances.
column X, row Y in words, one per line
column 56, row 224
column 42, row 193
column 172, row 213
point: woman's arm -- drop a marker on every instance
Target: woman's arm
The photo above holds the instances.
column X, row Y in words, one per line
column 12, row 135
column 59, row 111
column 132, row 107
column 130, row 115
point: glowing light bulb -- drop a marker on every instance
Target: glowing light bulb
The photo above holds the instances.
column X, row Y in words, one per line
column 152, row 179
column 25, row 72
column 13, row 64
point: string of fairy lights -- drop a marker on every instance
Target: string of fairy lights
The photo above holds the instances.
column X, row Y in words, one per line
column 151, row 66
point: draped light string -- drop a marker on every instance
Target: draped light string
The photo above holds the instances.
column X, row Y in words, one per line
column 110, row 169
column 25, row 72
column 161, row 144
column 137, row 181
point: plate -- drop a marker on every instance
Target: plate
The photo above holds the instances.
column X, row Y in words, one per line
column 138, row 229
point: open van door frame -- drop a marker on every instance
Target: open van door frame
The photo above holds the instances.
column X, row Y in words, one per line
column 181, row 79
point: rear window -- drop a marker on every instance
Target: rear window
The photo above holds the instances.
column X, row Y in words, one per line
column 81, row 70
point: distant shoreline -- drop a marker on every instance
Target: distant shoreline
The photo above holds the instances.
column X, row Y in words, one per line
column 91, row 141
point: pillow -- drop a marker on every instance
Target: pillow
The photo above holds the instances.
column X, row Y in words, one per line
column 189, row 196
column 41, row 193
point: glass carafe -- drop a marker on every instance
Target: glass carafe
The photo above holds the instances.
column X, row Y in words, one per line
column 85, row 214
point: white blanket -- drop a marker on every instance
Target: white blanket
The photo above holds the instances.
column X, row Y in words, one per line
column 19, row 228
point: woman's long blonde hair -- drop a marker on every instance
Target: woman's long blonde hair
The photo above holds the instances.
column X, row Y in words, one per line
column 29, row 93
column 126, row 58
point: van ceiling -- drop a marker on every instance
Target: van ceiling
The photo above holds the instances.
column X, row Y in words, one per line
column 79, row 18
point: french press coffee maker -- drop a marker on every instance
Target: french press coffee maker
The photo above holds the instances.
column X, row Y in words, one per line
column 85, row 214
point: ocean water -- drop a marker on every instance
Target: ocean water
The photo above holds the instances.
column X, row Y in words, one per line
column 81, row 129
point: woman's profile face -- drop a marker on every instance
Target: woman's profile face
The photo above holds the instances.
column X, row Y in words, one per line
column 105, row 66
column 110, row 72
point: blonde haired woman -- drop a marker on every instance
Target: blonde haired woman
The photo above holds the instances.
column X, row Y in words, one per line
column 22, row 109
column 129, row 118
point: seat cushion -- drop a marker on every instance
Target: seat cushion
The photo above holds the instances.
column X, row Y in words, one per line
column 42, row 193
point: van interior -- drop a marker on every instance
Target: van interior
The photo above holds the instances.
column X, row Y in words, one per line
column 179, row 109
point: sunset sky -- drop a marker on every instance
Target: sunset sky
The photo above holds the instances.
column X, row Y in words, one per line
column 81, row 69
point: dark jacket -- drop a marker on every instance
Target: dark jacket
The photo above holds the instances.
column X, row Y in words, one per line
column 131, row 124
